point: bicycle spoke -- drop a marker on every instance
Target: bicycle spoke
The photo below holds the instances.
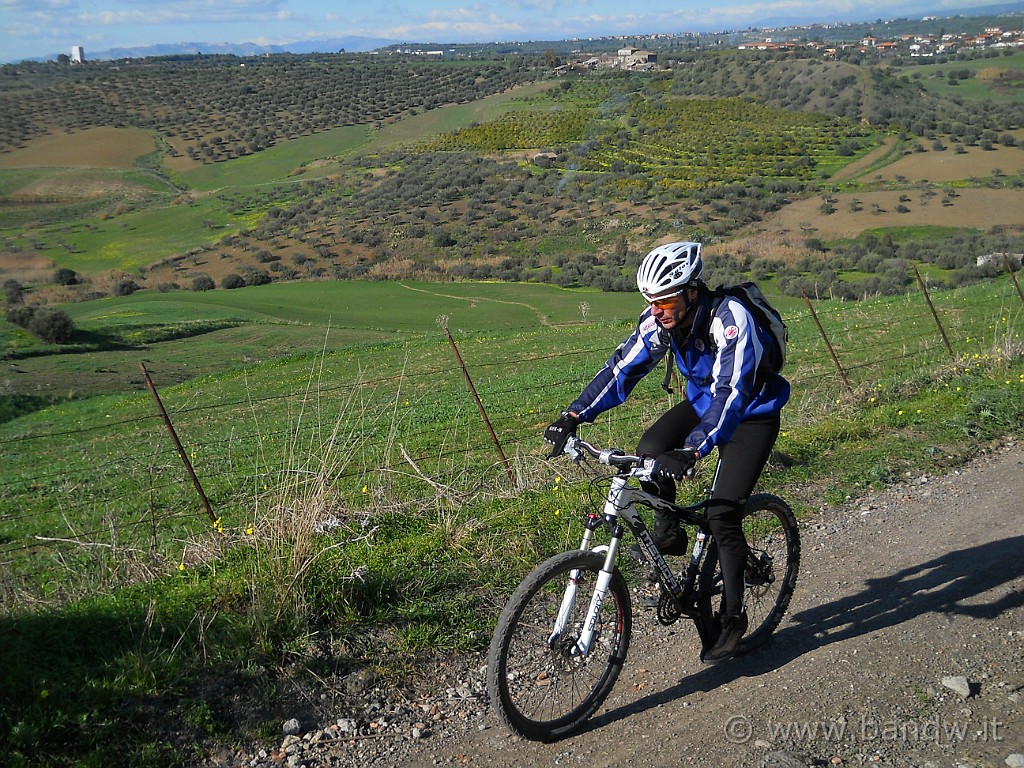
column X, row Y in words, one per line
column 772, row 567
column 543, row 687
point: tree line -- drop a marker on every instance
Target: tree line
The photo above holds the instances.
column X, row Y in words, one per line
column 224, row 107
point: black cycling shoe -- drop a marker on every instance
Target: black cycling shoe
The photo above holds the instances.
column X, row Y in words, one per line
column 724, row 648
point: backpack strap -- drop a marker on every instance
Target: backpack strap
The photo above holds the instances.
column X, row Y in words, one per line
column 670, row 362
column 670, row 370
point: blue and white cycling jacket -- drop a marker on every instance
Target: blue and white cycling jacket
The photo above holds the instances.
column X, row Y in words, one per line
column 722, row 365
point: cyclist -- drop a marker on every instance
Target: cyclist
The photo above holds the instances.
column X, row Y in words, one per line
column 733, row 400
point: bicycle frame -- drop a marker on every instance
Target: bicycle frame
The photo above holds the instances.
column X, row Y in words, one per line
column 621, row 507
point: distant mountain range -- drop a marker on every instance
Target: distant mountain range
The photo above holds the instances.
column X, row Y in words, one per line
column 330, row 45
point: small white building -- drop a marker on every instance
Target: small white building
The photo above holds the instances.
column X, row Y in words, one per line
column 77, row 54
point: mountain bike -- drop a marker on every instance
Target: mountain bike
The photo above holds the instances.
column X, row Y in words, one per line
column 562, row 638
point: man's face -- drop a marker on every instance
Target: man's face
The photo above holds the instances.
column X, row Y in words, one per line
column 674, row 312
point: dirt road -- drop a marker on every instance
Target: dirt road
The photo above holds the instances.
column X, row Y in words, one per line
column 900, row 594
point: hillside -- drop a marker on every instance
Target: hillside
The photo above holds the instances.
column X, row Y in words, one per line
column 211, row 109
column 403, row 187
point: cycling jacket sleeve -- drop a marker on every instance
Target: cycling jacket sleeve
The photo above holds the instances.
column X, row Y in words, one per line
column 723, row 403
column 632, row 360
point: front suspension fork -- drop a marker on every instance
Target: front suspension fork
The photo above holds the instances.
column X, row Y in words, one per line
column 604, row 578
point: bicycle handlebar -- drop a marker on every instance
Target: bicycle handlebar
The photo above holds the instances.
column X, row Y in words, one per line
column 575, row 447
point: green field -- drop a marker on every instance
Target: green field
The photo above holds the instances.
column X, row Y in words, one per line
column 373, row 359
column 389, row 307
column 184, row 334
column 326, row 457
column 278, row 163
column 1008, row 89
column 139, row 238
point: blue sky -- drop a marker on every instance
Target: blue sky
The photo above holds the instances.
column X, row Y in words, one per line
column 40, row 28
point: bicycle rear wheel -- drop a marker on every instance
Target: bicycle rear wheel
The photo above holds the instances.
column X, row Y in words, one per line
column 773, row 539
column 540, row 688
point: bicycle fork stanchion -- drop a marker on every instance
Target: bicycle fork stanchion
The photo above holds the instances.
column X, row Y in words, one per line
column 611, row 513
column 568, row 601
column 569, row 597
column 604, row 578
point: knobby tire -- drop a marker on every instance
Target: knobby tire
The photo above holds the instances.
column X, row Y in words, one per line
column 770, row 528
column 538, row 687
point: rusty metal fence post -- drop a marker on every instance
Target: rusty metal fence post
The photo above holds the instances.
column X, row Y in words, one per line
column 938, row 322
column 1013, row 277
column 828, row 344
column 177, row 444
column 479, row 404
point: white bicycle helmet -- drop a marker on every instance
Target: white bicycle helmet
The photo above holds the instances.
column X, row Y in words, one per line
column 668, row 269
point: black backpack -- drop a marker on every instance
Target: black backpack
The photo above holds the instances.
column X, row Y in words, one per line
column 764, row 314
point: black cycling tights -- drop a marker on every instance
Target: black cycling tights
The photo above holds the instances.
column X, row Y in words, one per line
column 740, row 462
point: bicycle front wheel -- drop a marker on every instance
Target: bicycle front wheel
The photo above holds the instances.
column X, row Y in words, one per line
column 773, row 564
column 541, row 687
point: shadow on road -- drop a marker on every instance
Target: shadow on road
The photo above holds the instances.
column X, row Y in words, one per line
column 958, row 583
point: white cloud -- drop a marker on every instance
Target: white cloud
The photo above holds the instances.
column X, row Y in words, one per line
column 27, row 6
column 199, row 12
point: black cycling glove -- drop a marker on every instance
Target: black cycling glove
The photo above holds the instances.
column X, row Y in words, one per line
column 559, row 431
column 675, row 465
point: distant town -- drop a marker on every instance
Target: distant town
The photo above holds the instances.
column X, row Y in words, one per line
column 803, row 38
column 913, row 45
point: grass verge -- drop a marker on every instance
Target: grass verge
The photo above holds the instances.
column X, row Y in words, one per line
column 320, row 583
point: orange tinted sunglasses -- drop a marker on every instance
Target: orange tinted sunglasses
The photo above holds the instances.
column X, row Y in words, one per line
column 665, row 303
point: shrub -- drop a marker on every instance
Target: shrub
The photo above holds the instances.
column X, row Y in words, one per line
column 443, row 239
column 124, row 287
column 54, row 326
column 233, row 280
column 257, row 277
column 13, row 292
column 20, row 314
column 203, row 283
column 65, row 276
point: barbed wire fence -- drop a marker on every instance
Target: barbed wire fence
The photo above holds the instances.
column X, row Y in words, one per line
column 88, row 505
